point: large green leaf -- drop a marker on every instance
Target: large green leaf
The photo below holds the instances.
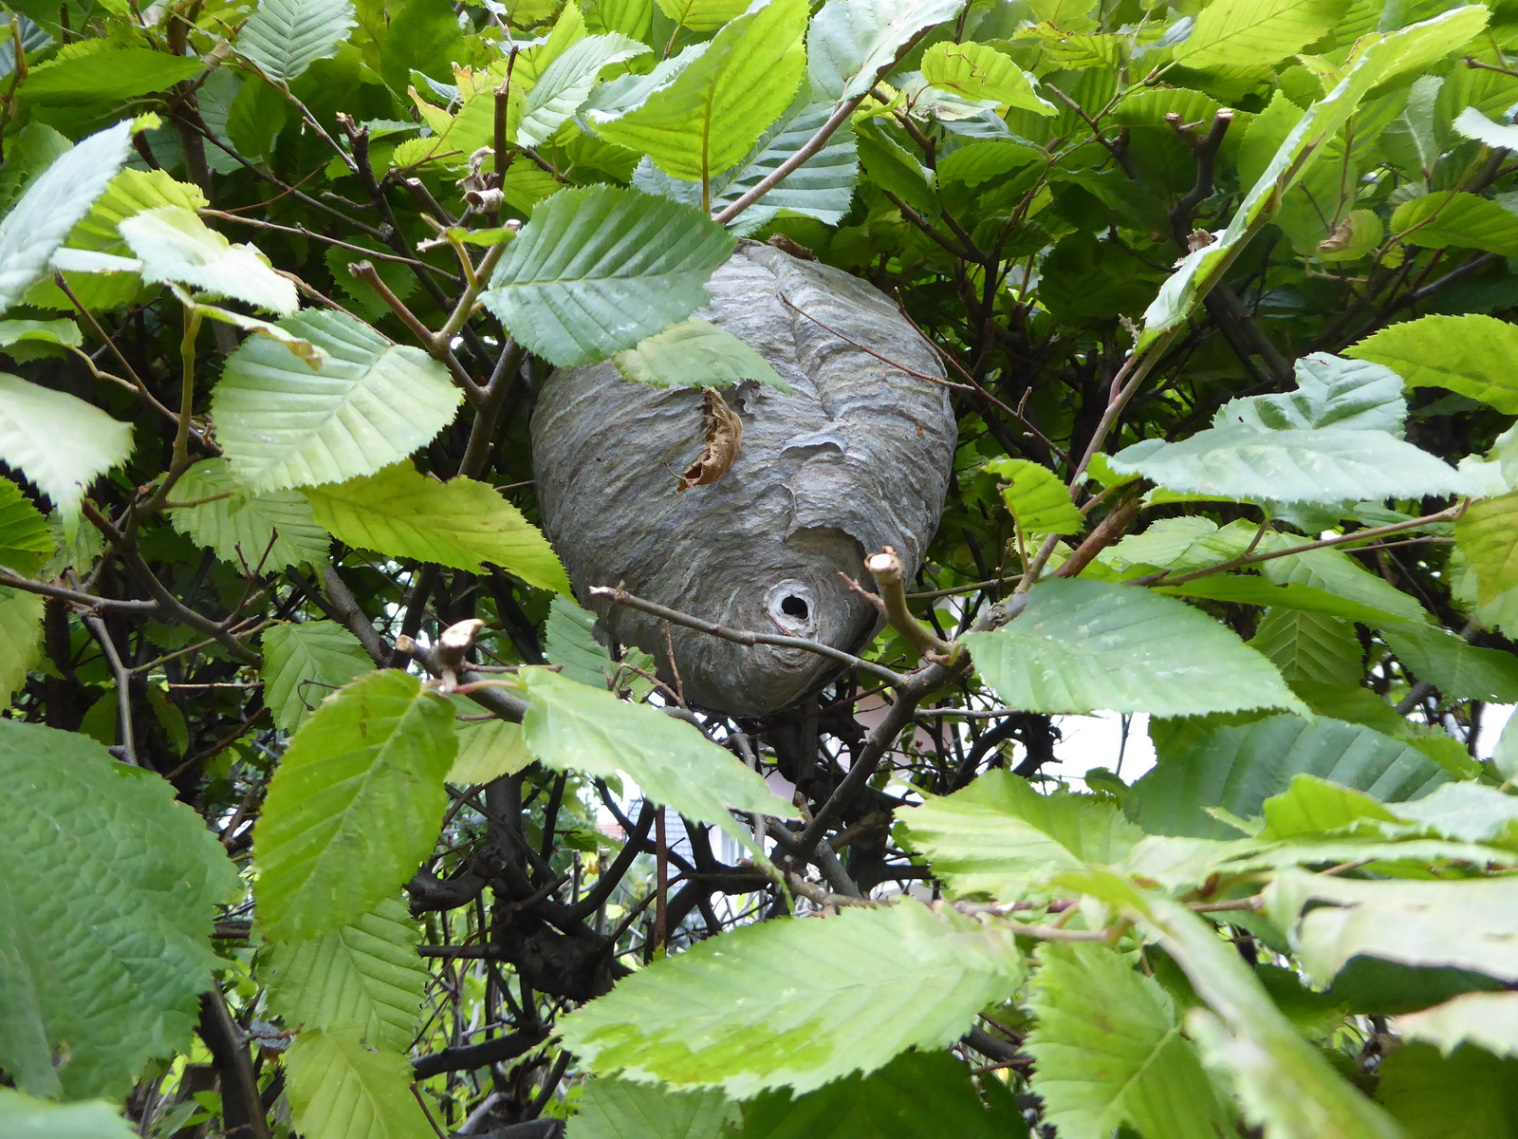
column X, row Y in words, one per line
column 20, row 637
column 1465, row 221
column 1248, row 33
column 621, row 1109
column 367, row 403
column 980, row 72
column 1312, row 648
column 25, row 543
column 273, row 529
column 1283, row 1082
column 597, row 270
column 460, row 523
column 702, row 15
column 695, row 354
column 1487, row 1019
column 489, row 749
column 54, row 201
column 354, row 806
column 173, row 244
column 58, row 441
column 1459, row 924
column 1203, row 763
column 1459, row 669
column 916, row 1095
column 850, row 40
column 1247, row 589
column 1036, row 498
column 1395, row 54
column 566, row 82
column 999, row 835
column 363, row 977
column 1109, row 1051
column 341, row 1090
column 284, row 37
column 1326, row 465
column 304, row 664
column 716, row 109
column 25, row 1117
column 821, row 187
column 572, row 726
column 1466, row 354
column 1465, row 1094
column 107, row 892
column 1487, row 534
column 1337, row 573
column 1084, row 645
column 797, row 1003
column 109, row 76
column 1331, row 392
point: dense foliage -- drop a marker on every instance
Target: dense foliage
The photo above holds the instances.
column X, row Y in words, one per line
column 310, row 758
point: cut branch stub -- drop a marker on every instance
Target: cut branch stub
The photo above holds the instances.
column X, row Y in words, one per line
column 857, row 457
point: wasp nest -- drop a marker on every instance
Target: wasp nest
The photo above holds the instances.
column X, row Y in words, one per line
column 858, row 456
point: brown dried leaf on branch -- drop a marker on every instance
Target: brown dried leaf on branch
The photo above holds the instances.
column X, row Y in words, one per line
column 724, row 435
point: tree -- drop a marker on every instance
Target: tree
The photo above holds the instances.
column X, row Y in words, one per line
column 308, row 745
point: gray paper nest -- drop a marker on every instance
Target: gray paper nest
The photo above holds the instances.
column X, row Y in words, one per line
column 857, row 457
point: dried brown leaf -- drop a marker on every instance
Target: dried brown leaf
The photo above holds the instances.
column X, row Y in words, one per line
column 724, row 435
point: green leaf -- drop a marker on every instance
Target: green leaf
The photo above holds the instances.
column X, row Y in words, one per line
column 1460, row 924
column 572, row 726
column 58, row 441
column 1465, row 221
column 979, row 72
column 1311, row 648
column 341, row 1090
column 1471, row 123
column 597, row 270
column 1311, row 807
column 460, row 523
column 1248, row 33
column 1489, row 1020
column 354, row 806
column 175, row 245
column 368, row 403
column 1327, row 465
column 695, row 354
column 1407, row 49
column 855, row 990
column 715, row 110
column 1109, row 1051
column 917, row 1094
column 107, row 889
column 1448, row 1097
column 489, row 749
column 569, row 642
column 64, row 332
column 25, row 542
column 23, row 1117
column 54, row 201
column 565, row 84
column 284, row 37
column 20, row 638
column 999, row 834
column 850, row 40
column 1283, row 1082
column 131, row 192
column 1469, row 812
column 108, row 76
column 1247, row 589
column 1086, row 645
column 1330, row 393
column 702, row 15
column 271, row 530
column 304, row 664
column 1036, row 498
column 1203, row 763
column 1336, row 572
column 363, row 977
column 1466, row 354
column 620, row 1109
column 1460, row 670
